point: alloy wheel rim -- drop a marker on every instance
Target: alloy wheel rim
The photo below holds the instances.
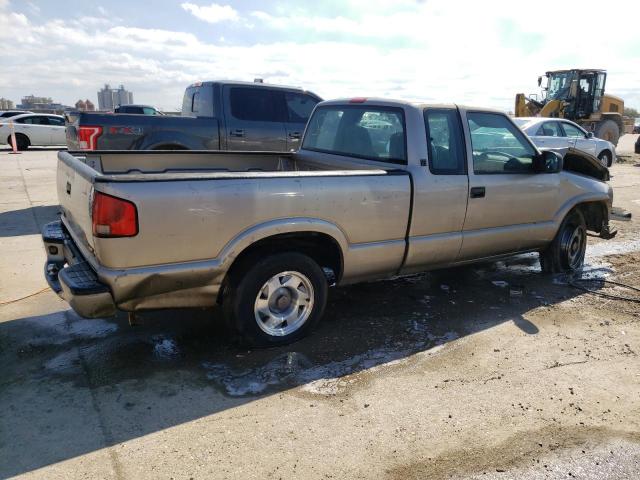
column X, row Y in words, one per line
column 284, row 303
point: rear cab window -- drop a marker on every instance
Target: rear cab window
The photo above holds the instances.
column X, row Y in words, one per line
column 360, row 131
column 445, row 142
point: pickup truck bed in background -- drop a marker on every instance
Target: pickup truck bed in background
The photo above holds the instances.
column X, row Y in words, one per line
column 215, row 116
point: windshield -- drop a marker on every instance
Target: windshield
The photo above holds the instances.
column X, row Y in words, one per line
column 559, row 85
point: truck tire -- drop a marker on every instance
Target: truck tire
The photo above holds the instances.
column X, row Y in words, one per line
column 276, row 300
column 605, row 158
column 22, row 141
column 608, row 130
column 566, row 252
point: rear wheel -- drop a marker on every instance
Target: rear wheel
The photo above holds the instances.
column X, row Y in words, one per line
column 605, row 158
column 566, row 252
column 22, row 141
column 275, row 301
column 608, row 130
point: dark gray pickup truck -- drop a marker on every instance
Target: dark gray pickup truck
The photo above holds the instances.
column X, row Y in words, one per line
column 215, row 116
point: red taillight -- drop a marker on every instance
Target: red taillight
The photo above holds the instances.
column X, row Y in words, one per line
column 358, row 100
column 113, row 217
column 88, row 137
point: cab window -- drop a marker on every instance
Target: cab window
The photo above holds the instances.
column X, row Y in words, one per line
column 299, row 106
column 444, row 142
column 572, row 131
column 34, row 120
column 367, row 132
column 58, row 122
column 549, row 129
column 499, row 147
column 254, row 104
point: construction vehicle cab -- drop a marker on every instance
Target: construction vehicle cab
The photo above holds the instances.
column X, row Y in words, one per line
column 577, row 95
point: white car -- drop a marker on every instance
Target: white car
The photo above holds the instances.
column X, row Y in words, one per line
column 558, row 133
column 42, row 129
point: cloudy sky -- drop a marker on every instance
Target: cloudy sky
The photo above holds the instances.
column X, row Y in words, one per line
column 472, row 52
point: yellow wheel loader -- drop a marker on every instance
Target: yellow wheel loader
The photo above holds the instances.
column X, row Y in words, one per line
column 577, row 95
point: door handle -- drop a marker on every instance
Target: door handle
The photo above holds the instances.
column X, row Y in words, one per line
column 238, row 132
column 295, row 135
column 477, row 192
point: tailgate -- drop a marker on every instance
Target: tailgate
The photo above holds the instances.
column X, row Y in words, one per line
column 75, row 191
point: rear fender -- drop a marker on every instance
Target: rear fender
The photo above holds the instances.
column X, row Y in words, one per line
column 277, row 227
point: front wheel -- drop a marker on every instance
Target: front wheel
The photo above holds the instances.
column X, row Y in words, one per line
column 276, row 300
column 566, row 252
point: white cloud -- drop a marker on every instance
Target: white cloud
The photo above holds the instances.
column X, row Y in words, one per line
column 481, row 54
column 213, row 13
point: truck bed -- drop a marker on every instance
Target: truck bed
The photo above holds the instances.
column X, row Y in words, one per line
column 197, row 206
column 125, row 165
column 121, row 131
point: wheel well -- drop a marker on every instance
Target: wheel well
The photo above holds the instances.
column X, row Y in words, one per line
column 322, row 248
column 595, row 214
column 19, row 134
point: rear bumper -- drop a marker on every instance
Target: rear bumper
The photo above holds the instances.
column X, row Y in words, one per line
column 71, row 277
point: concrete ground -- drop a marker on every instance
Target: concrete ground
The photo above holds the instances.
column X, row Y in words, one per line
column 495, row 371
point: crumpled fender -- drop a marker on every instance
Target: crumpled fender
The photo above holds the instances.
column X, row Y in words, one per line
column 577, row 161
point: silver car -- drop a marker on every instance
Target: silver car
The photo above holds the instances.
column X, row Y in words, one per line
column 558, row 133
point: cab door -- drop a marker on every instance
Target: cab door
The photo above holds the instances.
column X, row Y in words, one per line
column 254, row 118
column 441, row 187
column 510, row 207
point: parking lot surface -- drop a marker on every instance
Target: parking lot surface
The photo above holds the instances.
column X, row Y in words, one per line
column 490, row 371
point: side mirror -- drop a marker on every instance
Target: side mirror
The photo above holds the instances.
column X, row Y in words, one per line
column 589, row 134
column 547, row 162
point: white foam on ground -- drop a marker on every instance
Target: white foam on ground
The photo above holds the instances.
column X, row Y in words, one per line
column 294, row 368
column 613, row 248
column 165, row 348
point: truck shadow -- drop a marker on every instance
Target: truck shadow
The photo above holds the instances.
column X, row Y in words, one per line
column 25, row 221
column 72, row 386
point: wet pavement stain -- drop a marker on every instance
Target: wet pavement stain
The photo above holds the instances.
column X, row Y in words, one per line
column 365, row 326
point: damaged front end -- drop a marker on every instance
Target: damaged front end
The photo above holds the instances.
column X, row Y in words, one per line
column 577, row 161
column 596, row 214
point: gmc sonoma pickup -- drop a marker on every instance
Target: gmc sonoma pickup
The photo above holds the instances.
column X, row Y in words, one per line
column 215, row 116
column 378, row 188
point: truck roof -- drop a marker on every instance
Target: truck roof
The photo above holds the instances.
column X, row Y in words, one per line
column 386, row 102
column 247, row 84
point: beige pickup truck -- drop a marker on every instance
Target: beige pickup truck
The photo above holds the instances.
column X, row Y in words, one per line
column 378, row 188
